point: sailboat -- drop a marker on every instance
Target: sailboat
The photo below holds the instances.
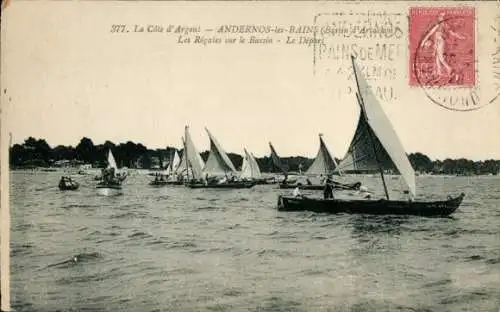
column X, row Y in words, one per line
column 250, row 170
column 218, row 165
column 175, row 168
column 168, row 176
column 276, row 162
column 375, row 145
column 324, row 165
column 111, row 183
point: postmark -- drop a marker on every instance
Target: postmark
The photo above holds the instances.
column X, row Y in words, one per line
column 376, row 36
column 445, row 60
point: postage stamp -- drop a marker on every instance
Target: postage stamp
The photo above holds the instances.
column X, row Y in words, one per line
column 442, row 47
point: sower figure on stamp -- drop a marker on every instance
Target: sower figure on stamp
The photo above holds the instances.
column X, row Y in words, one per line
column 440, row 31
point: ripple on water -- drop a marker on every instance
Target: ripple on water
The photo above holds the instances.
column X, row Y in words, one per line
column 197, row 250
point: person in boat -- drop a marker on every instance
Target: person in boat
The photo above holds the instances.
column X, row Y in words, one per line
column 222, row 180
column 328, row 190
column 285, row 179
column 364, row 193
column 62, row 182
column 296, row 192
column 308, row 182
column 322, row 179
column 111, row 174
column 410, row 196
column 103, row 173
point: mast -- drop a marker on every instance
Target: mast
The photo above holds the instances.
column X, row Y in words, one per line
column 362, row 105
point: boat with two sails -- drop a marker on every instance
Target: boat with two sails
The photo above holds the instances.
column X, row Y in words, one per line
column 323, row 167
column 250, row 170
column 217, row 172
column 375, row 146
column 170, row 175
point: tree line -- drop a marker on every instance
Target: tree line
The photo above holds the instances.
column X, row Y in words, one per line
column 38, row 153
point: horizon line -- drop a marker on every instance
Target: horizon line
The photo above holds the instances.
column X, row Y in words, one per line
column 52, row 146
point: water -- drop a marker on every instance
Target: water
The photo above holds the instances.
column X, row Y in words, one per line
column 177, row 249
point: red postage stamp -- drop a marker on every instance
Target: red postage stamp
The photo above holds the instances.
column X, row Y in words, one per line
column 442, row 47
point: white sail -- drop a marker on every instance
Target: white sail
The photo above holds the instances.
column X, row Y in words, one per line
column 256, row 174
column 324, row 163
column 250, row 168
column 174, row 163
column 182, row 162
column 218, row 163
column 195, row 162
column 111, row 161
column 375, row 143
column 246, row 168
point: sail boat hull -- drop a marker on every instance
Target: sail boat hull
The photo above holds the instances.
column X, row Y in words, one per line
column 230, row 185
column 372, row 207
column 175, row 183
column 73, row 186
column 319, row 187
column 264, row 181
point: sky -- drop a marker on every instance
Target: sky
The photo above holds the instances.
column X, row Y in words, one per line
column 66, row 76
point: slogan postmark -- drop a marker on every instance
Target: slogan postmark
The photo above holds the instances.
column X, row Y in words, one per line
column 444, row 58
column 374, row 35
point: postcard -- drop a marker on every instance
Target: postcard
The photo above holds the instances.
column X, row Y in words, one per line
column 250, row 155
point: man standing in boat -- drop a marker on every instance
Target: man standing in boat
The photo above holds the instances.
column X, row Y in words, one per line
column 296, row 192
column 328, row 190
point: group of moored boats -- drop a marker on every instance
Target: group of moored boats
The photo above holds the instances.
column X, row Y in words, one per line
column 375, row 147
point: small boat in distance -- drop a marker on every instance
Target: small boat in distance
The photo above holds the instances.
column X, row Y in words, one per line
column 111, row 183
column 67, row 184
column 375, row 144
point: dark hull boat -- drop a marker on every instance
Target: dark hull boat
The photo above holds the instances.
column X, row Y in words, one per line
column 262, row 181
column 319, row 187
column 174, row 183
column 73, row 186
column 372, row 207
column 158, row 183
column 265, row 181
column 228, row 185
column 163, row 183
column 374, row 146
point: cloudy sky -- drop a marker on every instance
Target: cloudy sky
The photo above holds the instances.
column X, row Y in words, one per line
column 65, row 76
